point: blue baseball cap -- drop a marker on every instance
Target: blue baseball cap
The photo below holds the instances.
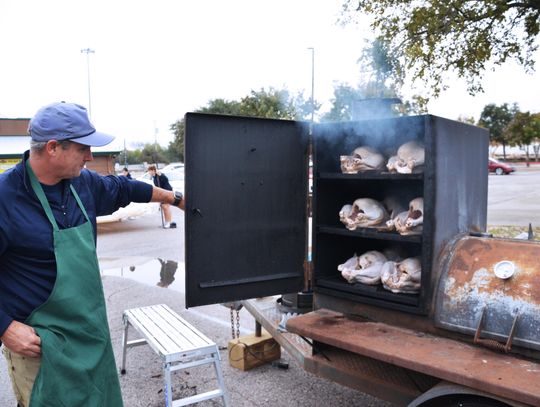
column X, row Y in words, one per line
column 66, row 121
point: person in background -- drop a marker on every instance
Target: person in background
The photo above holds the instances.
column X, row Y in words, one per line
column 125, row 173
column 57, row 342
column 166, row 274
column 161, row 181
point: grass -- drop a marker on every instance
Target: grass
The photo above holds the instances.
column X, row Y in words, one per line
column 512, row 231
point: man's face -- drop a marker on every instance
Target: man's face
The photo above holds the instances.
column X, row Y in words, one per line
column 152, row 172
column 70, row 159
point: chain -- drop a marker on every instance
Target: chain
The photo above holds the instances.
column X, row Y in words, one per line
column 235, row 330
column 232, row 325
column 238, row 324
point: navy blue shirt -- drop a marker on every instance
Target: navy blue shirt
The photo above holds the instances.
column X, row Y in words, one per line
column 162, row 181
column 27, row 261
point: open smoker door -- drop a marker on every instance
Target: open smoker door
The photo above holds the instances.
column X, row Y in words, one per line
column 246, row 194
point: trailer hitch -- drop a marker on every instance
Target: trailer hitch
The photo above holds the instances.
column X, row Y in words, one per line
column 491, row 343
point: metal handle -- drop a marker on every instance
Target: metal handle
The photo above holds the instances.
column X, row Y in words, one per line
column 197, row 211
column 491, row 343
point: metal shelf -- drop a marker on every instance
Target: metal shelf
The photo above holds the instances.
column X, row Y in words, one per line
column 370, row 175
column 374, row 291
column 369, row 233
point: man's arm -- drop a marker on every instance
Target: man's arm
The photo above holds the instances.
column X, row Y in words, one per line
column 165, row 196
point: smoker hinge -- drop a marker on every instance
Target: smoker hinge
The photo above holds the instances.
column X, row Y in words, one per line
column 491, row 343
column 308, row 275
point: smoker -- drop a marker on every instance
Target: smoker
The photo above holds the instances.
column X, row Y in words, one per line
column 249, row 235
column 247, row 189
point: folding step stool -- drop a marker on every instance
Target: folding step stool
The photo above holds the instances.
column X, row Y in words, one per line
column 179, row 344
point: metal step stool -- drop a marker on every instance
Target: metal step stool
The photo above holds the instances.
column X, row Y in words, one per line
column 179, row 344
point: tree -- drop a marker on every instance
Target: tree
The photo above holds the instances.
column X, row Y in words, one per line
column 178, row 128
column 342, row 103
column 496, row 119
column 524, row 130
column 272, row 104
column 430, row 38
column 152, row 153
column 379, row 64
column 376, row 65
column 466, row 119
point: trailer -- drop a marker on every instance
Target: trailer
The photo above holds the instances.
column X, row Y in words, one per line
column 469, row 336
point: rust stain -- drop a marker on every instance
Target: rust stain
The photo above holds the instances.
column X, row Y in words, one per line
column 473, row 267
column 458, row 362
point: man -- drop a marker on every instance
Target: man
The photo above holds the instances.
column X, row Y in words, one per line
column 52, row 311
column 126, row 173
column 161, row 180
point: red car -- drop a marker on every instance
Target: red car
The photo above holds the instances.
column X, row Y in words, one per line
column 500, row 168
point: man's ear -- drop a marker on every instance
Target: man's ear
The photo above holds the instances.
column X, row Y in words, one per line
column 51, row 147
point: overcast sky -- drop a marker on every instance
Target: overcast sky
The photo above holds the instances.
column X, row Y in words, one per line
column 156, row 60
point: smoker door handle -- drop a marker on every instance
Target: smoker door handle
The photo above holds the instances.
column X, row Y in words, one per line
column 197, row 211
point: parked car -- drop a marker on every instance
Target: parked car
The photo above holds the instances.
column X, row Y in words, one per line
column 175, row 176
column 172, row 167
column 499, row 167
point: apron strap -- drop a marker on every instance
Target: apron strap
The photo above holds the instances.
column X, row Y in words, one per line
column 79, row 201
column 38, row 189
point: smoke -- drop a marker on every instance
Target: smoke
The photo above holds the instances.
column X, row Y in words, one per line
column 385, row 134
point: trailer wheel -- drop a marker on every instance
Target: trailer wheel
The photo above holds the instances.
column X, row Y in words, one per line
column 464, row 401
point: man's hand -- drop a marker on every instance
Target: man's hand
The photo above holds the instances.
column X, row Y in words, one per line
column 22, row 339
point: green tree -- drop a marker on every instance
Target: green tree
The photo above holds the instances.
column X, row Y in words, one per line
column 496, row 119
column 524, row 130
column 430, row 38
column 380, row 65
column 466, row 119
column 342, row 103
column 272, row 104
column 377, row 65
column 178, row 128
column 152, row 153
column 221, row 106
column 346, row 98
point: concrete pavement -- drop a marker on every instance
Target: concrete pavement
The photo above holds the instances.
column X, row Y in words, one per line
column 138, row 242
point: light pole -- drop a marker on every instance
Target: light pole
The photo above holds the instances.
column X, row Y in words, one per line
column 155, row 145
column 88, row 51
column 312, row 87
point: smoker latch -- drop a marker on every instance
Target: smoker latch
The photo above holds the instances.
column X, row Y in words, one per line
column 491, row 343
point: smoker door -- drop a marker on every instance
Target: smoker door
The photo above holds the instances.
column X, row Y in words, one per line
column 246, row 193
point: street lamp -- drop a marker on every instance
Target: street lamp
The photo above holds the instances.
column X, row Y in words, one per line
column 312, row 87
column 88, row 51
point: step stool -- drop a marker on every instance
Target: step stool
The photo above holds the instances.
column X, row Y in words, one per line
column 179, row 344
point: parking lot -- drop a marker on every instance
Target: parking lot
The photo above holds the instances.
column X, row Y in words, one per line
column 131, row 249
column 515, row 199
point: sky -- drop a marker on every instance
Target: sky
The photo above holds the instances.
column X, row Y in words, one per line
column 153, row 61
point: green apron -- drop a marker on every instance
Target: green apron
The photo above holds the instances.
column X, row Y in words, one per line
column 77, row 361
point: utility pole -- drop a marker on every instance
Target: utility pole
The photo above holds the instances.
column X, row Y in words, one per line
column 88, row 51
column 155, row 145
column 125, row 154
column 312, row 88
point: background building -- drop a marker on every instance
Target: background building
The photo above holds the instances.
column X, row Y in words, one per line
column 14, row 141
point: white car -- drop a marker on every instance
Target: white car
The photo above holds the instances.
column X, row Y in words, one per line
column 171, row 167
column 175, row 176
column 135, row 209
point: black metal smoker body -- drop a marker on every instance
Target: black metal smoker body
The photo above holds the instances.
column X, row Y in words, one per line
column 247, row 237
